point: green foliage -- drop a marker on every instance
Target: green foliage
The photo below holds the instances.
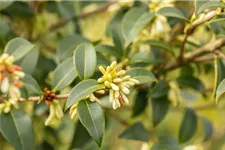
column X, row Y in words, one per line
column 15, row 126
column 120, row 69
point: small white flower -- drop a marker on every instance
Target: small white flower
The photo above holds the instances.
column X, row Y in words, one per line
column 5, row 85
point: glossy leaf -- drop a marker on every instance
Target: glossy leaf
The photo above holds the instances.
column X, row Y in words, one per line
column 142, row 57
column 134, row 20
column 5, row 4
column 63, row 75
column 17, row 129
column 81, row 136
column 160, row 89
column 208, row 5
column 141, row 102
column 108, row 50
column 188, row 126
column 118, row 39
column 68, row 44
column 221, row 70
column 29, row 62
column 166, row 143
column 208, row 128
column 81, row 90
column 172, row 12
column 31, row 85
column 160, row 108
column 18, row 48
column 66, row 9
column 135, row 132
column 142, row 75
column 85, row 60
column 220, row 90
column 191, row 82
column 92, row 118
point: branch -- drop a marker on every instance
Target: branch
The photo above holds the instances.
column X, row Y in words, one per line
column 194, row 55
column 190, row 30
column 84, row 15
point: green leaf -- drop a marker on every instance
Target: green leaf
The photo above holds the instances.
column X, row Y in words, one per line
column 135, row 132
column 29, row 62
column 81, row 90
column 142, row 75
column 81, row 136
column 166, row 143
column 63, row 75
column 209, row 5
column 220, row 70
column 68, row 44
column 31, row 84
column 18, row 48
column 133, row 21
column 17, row 128
column 220, row 90
column 141, row 102
column 191, row 82
column 188, row 125
column 118, row 39
column 85, row 61
column 108, row 50
column 92, row 118
column 160, row 108
column 172, row 12
column 208, row 128
column 161, row 45
column 142, row 57
column 160, row 90
column 66, row 9
column 5, row 4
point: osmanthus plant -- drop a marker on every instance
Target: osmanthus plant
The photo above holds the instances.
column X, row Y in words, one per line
column 157, row 71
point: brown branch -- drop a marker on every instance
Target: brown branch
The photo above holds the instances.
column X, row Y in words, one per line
column 84, row 15
column 190, row 30
column 219, row 54
column 193, row 56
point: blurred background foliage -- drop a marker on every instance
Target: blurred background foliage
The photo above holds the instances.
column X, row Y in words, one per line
column 58, row 25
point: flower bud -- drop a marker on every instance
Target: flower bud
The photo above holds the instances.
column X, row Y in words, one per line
column 100, row 91
column 107, row 84
column 117, row 94
column 73, row 114
column 102, row 69
column 125, row 90
column 5, row 85
column 125, row 98
column 114, row 87
column 100, row 80
column 135, row 81
column 19, row 74
column 9, row 60
column 3, row 57
column 125, row 78
column 117, row 80
column 111, row 95
column 113, row 64
column 121, row 72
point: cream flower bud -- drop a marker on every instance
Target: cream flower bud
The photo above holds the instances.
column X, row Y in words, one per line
column 14, row 92
column 51, row 116
column 125, row 84
column 102, row 69
column 116, row 104
column 113, row 64
column 100, row 91
column 114, row 87
column 125, row 90
column 121, row 72
column 100, row 80
column 117, row 94
column 109, row 77
column 125, row 78
column 107, row 84
column 9, row 60
column 93, row 98
column 5, row 85
column 73, row 114
column 125, row 98
column 135, row 81
column 3, row 57
column 111, row 95
column 19, row 74
column 59, row 112
column 117, row 80
column 2, row 106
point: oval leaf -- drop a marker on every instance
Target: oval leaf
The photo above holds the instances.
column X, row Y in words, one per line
column 220, row 90
column 68, row 44
column 108, row 50
column 160, row 108
column 84, row 59
column 17, row 128
column 141, row 102
column 92, row 118
column 208, row 128
column 18, row 48
column 188, row 125
column 81, row 90
column 166, row 143
column 209, row 5
column 63, row 75
column 134, row 20
column 135, row 132
column 31, row 84
column 172, row 12
column 142, row 75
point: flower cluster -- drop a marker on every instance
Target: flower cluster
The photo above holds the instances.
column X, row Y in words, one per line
column 10, row 83
column 118, row 84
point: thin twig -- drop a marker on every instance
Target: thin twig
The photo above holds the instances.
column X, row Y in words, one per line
column 219, row 54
